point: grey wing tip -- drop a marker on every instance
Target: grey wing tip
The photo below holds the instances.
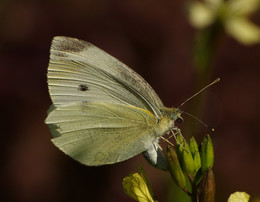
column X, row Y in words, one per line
column 64, row 44
column 62, row 38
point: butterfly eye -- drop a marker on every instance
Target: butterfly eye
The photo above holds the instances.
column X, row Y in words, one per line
column 179, row 120
column 83, row 87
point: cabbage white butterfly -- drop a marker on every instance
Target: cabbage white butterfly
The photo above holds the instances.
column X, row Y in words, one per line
column 103, row 112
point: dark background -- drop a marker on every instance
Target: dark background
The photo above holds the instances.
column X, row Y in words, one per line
column 156, row 40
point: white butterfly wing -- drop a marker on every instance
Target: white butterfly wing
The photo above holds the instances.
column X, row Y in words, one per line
column 79, row 71
column 101, row 133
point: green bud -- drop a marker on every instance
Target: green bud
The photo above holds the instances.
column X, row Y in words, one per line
column 195, row 154
column 193, row 146
column 179, row 138
column 179, row 145
column 206, row 187
column 175, row 168
column 187, row 160
column 206, row 154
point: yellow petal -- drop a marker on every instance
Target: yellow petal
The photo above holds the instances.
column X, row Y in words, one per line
column 243, row 7
column 134, row 186
column 214, row 3
column 239, row 197
column 243, row 30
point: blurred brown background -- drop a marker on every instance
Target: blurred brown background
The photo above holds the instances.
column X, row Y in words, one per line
column 156, row 40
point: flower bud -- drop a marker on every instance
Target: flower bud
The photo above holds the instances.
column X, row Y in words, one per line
column 135, row 186
column 206, row 187
column 147, row 182
column 195, row 154
column 175, row 168
column 179, row 139
column 187, row 160
column 206, row 154
column 239, row 196
column 179, row 145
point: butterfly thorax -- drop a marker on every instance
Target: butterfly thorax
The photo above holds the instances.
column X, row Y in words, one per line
column 166, row 122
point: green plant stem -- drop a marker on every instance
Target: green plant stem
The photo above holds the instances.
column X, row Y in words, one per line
column 194, row 195
column 187, row 192
column 206, row 43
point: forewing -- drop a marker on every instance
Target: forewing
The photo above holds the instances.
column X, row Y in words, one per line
column 101, row 133
column 79, row 71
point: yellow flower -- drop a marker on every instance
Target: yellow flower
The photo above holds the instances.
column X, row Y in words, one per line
column 232, row 14
column 239, row 197
column 135, row 186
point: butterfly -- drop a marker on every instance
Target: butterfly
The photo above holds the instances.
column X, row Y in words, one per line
column 103, row 112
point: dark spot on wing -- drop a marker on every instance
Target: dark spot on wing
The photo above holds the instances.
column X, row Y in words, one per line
column 83, row 87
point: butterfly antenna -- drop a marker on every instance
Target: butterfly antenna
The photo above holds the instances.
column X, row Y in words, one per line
column 204, row 124
column 212, row 83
